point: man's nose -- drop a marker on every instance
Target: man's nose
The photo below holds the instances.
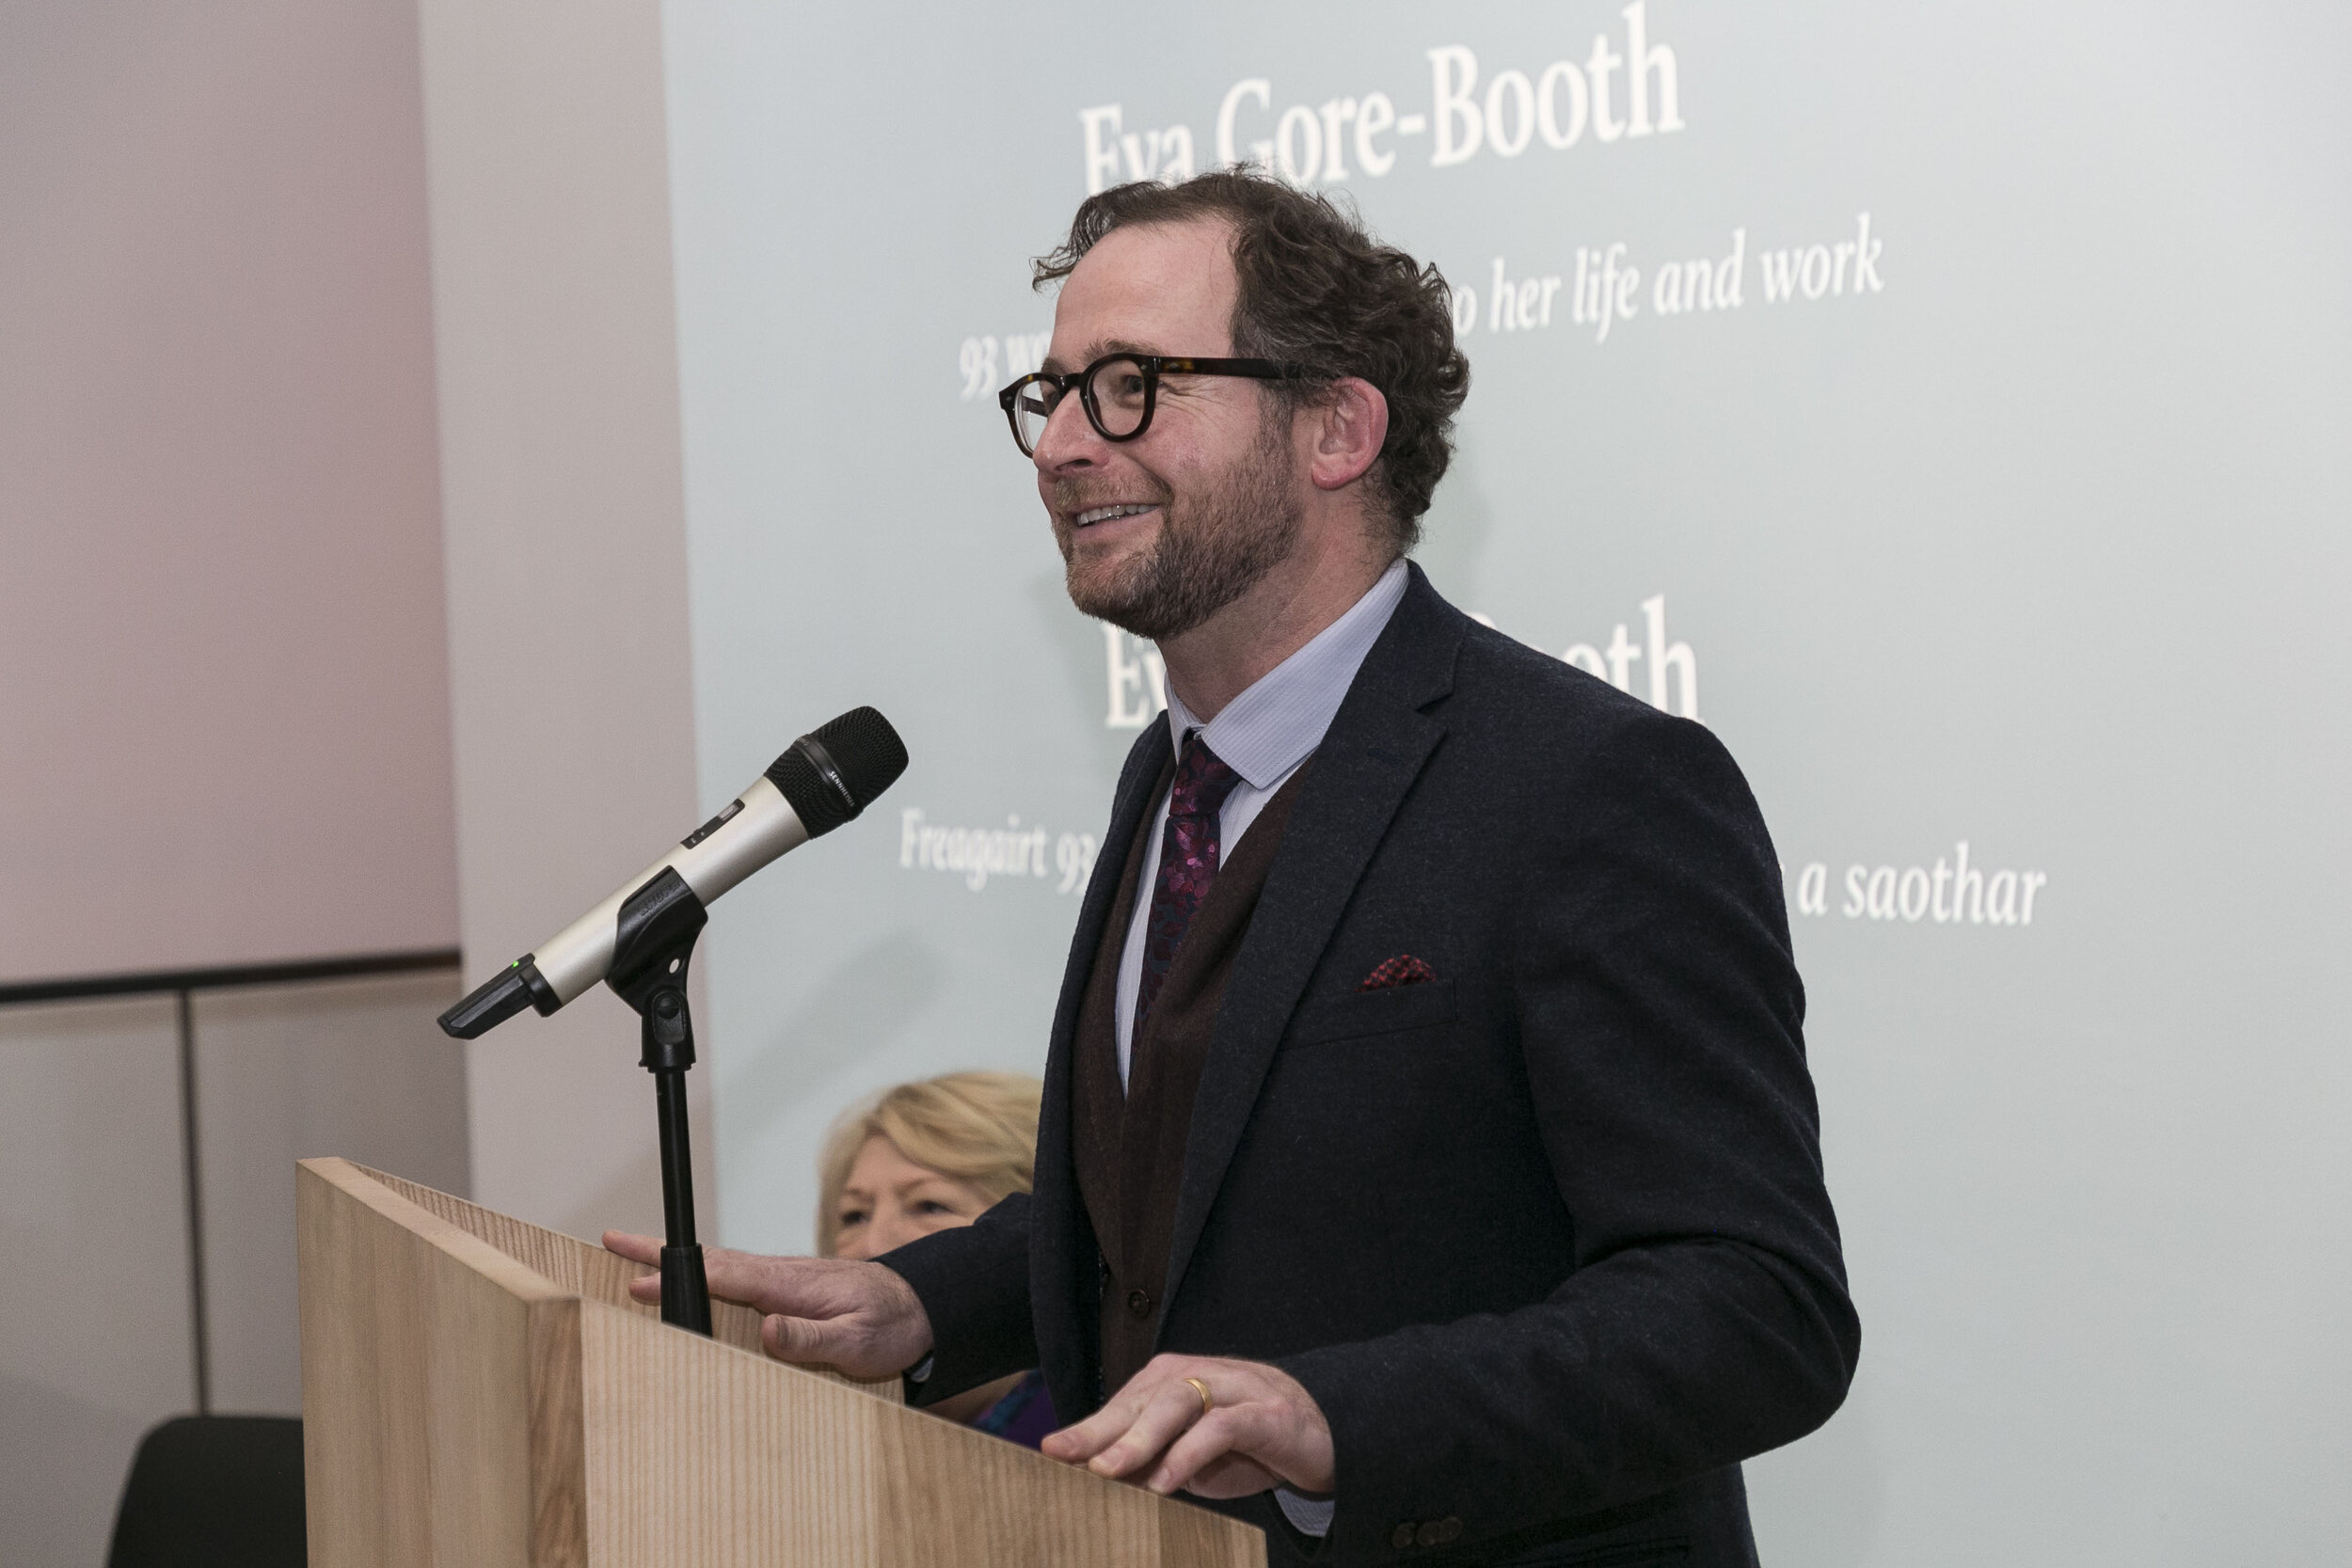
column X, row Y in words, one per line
column 1070, row 441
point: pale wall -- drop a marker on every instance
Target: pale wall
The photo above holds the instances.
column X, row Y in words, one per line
column 94, row 1306
column 567, row 548
column 224, row 712
column 224, row 691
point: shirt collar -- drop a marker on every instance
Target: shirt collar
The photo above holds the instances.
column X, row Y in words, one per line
column 1268, row 730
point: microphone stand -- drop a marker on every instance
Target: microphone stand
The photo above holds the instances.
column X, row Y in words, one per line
column 652, row 946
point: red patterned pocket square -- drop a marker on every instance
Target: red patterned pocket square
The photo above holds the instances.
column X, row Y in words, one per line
column 1403, row 970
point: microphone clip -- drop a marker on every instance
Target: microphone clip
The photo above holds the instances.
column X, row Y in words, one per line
column 653, row 941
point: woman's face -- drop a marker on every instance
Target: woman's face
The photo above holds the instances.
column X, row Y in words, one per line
column 890, row 1201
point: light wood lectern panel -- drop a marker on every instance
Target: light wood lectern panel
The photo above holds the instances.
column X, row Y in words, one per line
column 476, row 1390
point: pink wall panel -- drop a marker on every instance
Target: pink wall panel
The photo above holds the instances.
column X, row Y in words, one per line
column 224, row 696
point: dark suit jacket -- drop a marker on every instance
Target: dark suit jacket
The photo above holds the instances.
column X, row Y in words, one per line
column 1547, row 1239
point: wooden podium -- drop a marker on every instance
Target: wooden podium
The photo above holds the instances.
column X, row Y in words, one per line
column 476, row 1390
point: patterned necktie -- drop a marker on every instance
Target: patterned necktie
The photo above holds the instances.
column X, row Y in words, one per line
column 1187, row 863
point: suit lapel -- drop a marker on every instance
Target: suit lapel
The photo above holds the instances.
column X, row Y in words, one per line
column 1134, row 797
column 1376, row 746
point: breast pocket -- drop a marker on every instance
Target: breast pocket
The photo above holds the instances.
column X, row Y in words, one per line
column 1392, row 1010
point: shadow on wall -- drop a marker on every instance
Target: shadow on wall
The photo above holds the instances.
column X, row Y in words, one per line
column 860, row 1008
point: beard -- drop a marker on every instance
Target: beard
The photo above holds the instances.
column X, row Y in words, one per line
column 1209, row 551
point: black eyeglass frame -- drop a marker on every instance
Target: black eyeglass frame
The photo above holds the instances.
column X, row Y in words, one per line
column 1153, row 366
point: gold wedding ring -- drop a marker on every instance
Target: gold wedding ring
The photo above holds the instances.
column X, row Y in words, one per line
column 1201, row 1388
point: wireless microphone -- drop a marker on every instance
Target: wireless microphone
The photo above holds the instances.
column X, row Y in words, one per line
column 823, row 780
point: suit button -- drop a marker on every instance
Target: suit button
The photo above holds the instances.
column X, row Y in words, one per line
column 1431, row 1533
column 1139, row 1303
column 1402, row 1537
column 1449, row 1528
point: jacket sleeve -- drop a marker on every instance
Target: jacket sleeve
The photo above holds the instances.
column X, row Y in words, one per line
column 974, row 1283
column 1705, row 1319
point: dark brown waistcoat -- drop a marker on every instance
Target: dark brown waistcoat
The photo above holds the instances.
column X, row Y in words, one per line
column 1130, row 1146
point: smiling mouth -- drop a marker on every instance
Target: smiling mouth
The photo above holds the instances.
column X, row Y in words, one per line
column 1103, row 513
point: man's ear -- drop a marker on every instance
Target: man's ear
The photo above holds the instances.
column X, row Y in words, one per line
column 1348, row 424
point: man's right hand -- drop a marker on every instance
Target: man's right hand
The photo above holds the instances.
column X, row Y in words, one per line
column 861, row 1318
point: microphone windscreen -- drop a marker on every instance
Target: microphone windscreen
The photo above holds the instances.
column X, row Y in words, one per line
column 839, row 768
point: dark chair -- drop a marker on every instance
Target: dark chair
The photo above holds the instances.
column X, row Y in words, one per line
column 212, row 1491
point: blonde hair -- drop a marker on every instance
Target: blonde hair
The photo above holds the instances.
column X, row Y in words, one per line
column 976, row 1127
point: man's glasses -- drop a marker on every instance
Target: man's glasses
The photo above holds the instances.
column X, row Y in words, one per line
column 1117, row 392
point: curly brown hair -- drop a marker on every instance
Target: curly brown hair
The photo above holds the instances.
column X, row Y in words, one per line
column 1317, row 289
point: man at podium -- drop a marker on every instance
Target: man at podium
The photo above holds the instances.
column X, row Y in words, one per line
column 1429, row 1166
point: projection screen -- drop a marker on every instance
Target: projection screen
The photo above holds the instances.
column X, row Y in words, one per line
column 1946, row 405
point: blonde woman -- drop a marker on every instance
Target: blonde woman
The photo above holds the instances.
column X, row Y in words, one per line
column 929, row 1156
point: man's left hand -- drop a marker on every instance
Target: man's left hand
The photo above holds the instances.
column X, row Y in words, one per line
column 1256, row 1429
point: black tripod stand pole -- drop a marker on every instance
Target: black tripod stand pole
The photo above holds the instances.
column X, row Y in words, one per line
column 653, row 944
column 668, row 1050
